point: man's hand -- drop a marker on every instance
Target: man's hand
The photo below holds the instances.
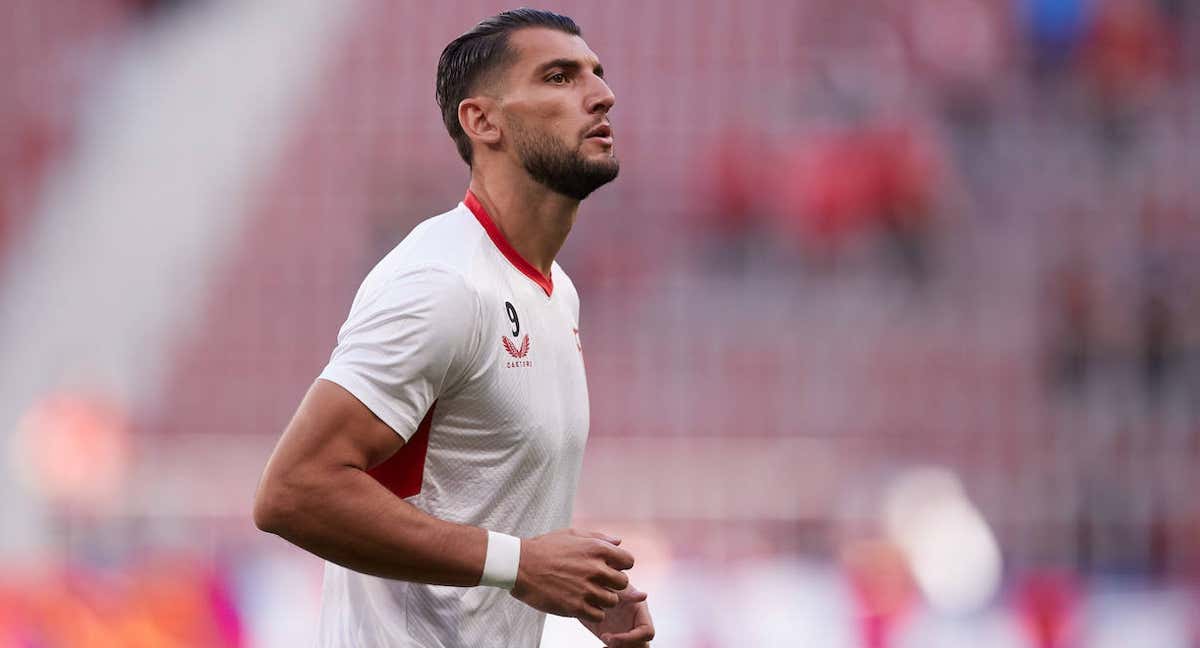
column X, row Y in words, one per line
column 572, row 573
column 627, row 625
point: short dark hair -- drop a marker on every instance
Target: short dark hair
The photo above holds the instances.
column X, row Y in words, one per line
column 470, row 58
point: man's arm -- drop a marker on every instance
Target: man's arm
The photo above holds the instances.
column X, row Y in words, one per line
column 316, row 494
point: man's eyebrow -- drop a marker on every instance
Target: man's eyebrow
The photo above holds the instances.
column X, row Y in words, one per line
column 569, row 65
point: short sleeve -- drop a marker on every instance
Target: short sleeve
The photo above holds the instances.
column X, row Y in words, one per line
column 402, row 348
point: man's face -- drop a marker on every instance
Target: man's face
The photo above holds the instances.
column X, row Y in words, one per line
column 555, row 107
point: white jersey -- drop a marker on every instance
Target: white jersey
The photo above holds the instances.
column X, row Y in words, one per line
column 473, row 356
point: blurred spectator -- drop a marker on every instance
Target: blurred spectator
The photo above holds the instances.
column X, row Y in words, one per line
column 1072, row 340
column 1159, row 348
column 1157, row 340
column 961, row 48
column 735, row 188
column 879, row 178
column 1055, row 29
column 908, row 195
column 829, row 193
column 1125, row 60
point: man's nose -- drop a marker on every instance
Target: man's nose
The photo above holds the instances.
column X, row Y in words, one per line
column 603, row 99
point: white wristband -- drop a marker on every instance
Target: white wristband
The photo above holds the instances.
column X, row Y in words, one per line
column 503, row 558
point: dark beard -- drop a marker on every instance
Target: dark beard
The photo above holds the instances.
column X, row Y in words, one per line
column 559, row 168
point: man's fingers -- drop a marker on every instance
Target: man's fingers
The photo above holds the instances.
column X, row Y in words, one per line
column 634, row 595
column 602, row 598
column 617, row 558
column 635, row 637
column 592, row 613
column 599, row 535
column 612, row 579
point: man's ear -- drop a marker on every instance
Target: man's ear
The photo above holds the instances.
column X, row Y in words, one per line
column 477, row 117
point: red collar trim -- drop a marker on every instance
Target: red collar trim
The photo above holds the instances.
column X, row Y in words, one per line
column 504, row 246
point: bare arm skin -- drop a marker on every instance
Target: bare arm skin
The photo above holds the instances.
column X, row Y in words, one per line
column 316, row 494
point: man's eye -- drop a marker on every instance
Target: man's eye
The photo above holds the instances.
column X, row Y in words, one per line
column 558, row 78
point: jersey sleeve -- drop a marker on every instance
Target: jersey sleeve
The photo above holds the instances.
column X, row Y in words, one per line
column 399, row 351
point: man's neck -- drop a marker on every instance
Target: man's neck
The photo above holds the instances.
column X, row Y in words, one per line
column 534, row 219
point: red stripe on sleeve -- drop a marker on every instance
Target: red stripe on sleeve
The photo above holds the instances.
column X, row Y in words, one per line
column 403, row 472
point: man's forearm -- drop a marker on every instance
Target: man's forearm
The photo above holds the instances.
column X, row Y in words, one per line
column 349, row 518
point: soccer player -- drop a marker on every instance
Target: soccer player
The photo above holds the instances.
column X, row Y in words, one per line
column 434, row 462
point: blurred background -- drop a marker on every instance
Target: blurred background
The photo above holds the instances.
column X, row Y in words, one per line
column 892, row 320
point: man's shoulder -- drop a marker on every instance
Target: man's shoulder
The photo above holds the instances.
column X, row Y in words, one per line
column 438, row 254
column 450, row 240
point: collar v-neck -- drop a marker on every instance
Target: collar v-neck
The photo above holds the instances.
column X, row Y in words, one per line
column 506, row 248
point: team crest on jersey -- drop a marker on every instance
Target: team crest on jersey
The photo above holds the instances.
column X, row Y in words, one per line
column 517, row 352
column 513, row 349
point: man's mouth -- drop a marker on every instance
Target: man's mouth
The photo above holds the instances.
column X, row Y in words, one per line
column 602, row 132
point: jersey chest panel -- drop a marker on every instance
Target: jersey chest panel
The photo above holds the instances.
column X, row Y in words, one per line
column 523, row 411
